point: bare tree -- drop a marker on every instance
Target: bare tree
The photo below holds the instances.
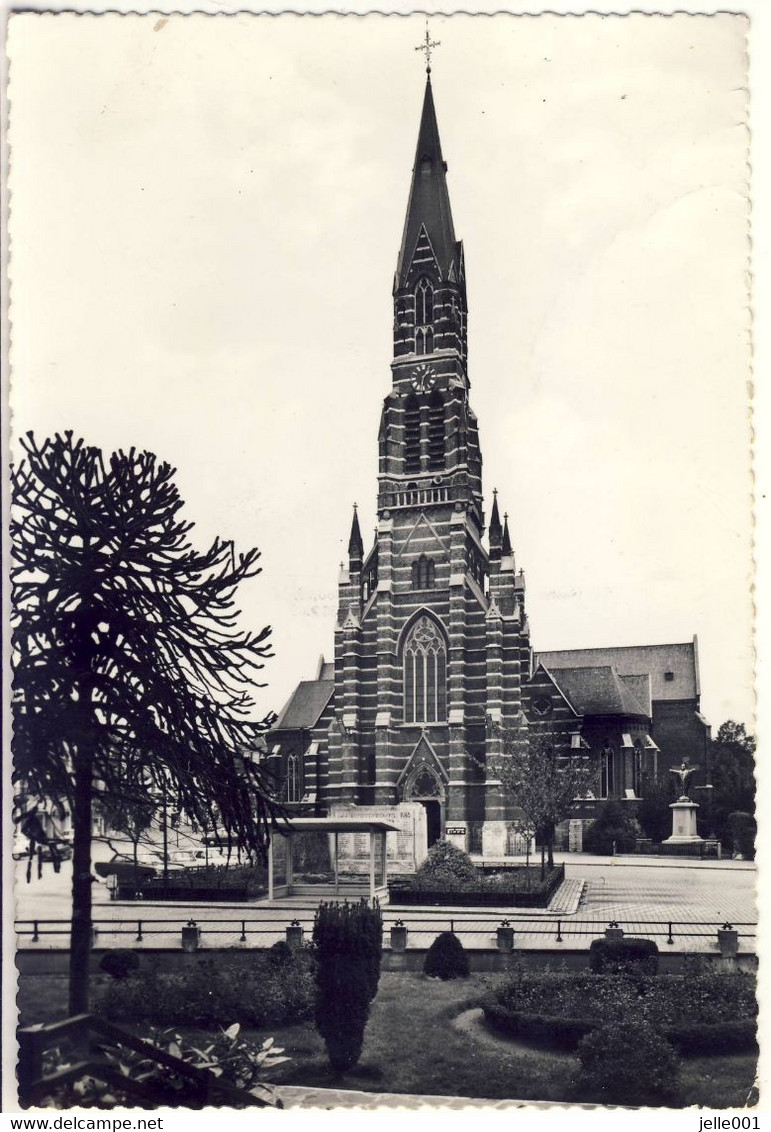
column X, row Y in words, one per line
column 543, row 777
column 125, row 639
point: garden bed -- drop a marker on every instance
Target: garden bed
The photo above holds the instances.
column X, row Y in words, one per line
column 402, row 1055
column 514, row 888
column 698, row 1013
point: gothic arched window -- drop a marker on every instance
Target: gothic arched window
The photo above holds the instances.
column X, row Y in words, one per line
column 424, row 304
column 436, row 431
column 293, row 778
column 429, row 341
column 420, row 342
column 425, row 674
column 412, row 435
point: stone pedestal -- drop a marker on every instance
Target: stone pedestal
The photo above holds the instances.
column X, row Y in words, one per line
column 684, row 823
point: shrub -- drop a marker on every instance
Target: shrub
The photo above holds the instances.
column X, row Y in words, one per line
column 446, row 861
column 612, row 824
column 627, row 1063
column 258, row 995
column 119, row 963
column 280, row 954
column 446, row 958
column 348, row 940
column 743, row 829
column 615, row 956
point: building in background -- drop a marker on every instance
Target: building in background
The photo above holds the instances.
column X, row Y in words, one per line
column 433, row 663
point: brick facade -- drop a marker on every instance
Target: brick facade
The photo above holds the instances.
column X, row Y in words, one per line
column 432, row 657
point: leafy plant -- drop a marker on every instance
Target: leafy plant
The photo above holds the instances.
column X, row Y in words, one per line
column 612, row 829
column 446, row 863
column 446, row 958
column 120, row 963
column 239, row 1061
column 627, row 1063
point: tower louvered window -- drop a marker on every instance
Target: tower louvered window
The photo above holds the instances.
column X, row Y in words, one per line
column 436, row 431
column 423, row 573
column 424, row 303
column 412, row 435
column 425, row 674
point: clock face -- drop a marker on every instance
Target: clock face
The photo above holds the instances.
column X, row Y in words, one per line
column 541, row 705
column 423, row 378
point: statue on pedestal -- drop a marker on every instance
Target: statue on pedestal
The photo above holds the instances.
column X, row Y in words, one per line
column 682, row 772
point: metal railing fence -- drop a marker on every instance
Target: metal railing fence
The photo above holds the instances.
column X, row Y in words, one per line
column 421, row 928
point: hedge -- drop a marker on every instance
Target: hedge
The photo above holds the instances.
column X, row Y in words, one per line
column 556, row 1032
column 557, row 1008
column 628, row 954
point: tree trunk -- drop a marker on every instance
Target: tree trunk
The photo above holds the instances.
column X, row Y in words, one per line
column 550, row 849
column 543, row 860
column 80, row 932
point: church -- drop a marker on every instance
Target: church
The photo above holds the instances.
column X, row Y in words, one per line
column 433, row 661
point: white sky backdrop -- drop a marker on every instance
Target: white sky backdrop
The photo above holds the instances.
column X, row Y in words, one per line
column 205, row 221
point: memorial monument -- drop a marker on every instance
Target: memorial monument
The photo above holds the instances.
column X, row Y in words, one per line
column 683, row 811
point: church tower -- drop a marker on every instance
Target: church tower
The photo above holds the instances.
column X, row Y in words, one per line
column 431, row 642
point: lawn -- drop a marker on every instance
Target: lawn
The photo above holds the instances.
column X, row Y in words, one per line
column 411, row 1046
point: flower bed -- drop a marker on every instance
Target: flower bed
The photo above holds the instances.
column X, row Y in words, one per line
column 512, row 888
column 703, row 1013
column 210, row 883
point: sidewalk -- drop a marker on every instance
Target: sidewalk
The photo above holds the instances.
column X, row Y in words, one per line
column 633, row 859
column 300, row 1096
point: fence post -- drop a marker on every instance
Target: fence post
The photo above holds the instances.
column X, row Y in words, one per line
column 294, row 934
column 559, row 931
column 398, row 936
column 139, row 931
column 242, row 938
column 35, row 933
column 670, row 939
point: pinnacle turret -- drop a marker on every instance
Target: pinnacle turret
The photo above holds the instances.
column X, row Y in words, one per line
column 506, row 543
column 355, row 544
column 494, row 531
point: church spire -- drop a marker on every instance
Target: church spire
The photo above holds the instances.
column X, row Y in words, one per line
column 429, row 201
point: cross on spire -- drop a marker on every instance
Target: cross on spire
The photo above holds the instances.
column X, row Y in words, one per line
column 426, row 46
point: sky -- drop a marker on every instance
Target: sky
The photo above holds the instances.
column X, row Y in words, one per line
column 205, row 219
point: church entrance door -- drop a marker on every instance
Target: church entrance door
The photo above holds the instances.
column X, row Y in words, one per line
column 433, row 821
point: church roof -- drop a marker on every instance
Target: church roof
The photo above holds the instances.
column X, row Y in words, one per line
column 429, row 201
column 597, row 691
column 305, row 705
column 673, row 669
